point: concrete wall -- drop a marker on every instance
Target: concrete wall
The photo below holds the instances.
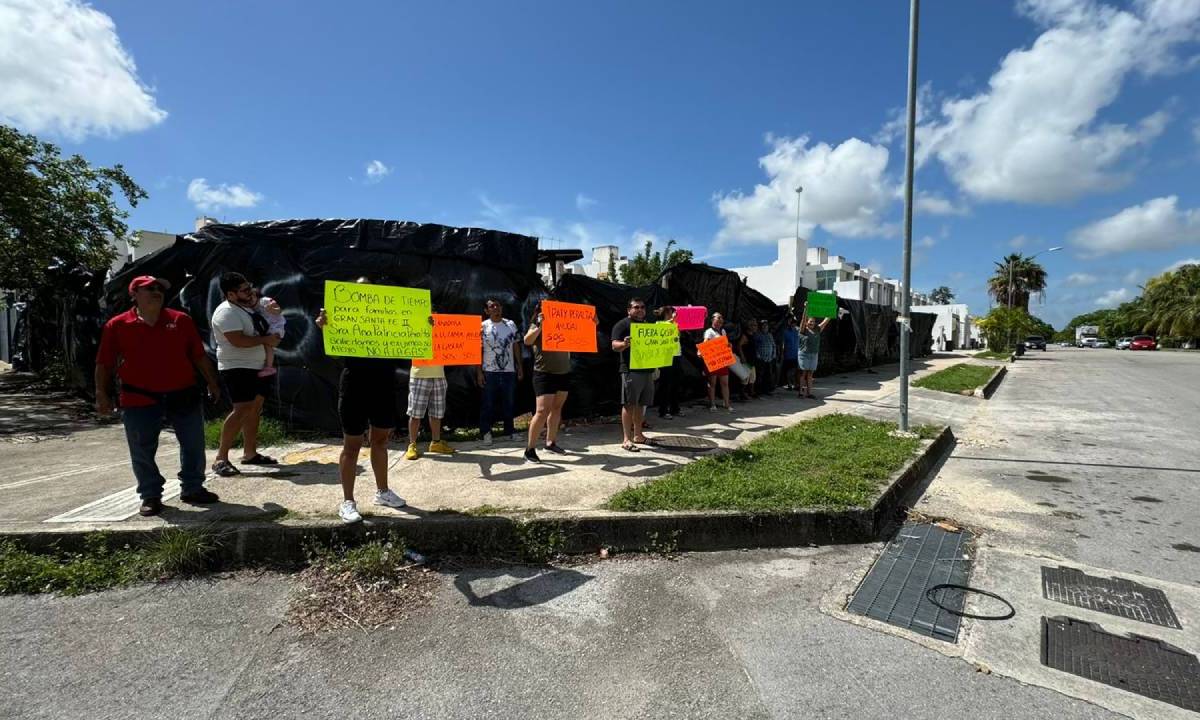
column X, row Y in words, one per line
column 780, row 279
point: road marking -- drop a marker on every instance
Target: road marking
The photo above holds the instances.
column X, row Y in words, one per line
column 57, row 476
column 119, row 506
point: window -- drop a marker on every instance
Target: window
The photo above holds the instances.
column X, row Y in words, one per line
column 826, row 279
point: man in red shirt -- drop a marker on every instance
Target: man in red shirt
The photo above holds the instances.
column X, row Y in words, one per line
column 156, row 352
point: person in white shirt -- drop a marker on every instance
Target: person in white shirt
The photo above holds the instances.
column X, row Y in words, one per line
column 241, row 336
column 501, row 371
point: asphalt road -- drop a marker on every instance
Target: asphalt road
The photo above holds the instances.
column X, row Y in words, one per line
column 754, row 634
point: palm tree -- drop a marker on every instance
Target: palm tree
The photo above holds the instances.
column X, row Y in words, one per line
column 941, row 295
column 1027, row 277
column 1172, row 303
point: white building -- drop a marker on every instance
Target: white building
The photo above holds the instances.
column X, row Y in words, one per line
column 954, row 328
column 780, row 279
column 604, row 259
column 142, row 244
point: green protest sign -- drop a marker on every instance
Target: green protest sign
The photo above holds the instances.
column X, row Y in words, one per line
column 652, row 345
column 822, row 305
column 377, row 321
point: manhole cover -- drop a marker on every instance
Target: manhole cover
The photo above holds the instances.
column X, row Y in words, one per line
column 1141, row 665
column 1114, row 596
column 919, row 557
column 683, row 442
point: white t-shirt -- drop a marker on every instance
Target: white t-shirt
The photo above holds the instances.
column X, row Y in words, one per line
column 498, row 339
column 231, row 318
column 709, row 334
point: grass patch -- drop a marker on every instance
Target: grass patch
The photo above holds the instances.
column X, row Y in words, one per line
column 834, row 461
column 993, row 355
column 961, row 378
column 174, row 553
column 270, row 434
column 471, row 434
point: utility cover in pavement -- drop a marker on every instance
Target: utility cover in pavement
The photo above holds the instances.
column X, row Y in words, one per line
column 1141, row 665
column 1115, row 596
column 919, row 557
column 683, row 442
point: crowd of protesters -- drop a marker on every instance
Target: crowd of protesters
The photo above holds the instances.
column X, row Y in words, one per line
column 156, row 353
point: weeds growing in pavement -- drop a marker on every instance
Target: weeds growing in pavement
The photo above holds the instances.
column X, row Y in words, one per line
column 271, row 433
column 539, row 542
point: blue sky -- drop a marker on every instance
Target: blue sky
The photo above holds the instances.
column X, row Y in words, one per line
column 1043, row 122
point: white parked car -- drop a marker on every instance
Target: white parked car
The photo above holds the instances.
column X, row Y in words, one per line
column 1123, row 343
column 1093, row 342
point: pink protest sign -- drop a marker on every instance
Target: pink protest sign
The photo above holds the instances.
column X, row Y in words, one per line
column 690, row 317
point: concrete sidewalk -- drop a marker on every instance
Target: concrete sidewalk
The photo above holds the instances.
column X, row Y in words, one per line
column 60, row 471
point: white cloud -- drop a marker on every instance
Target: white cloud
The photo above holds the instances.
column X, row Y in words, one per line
column 1133, row 276
column 1156, row 224
column 1113, row 298
column 207, row 197
column 926, row 242
column 65, row 72
column 1080, row 279
column 1180, row 263
column 846, row 192
column 1018, row 242
column 1034, row 135
column 934, row 204
column 377, row 171
column 583, row 202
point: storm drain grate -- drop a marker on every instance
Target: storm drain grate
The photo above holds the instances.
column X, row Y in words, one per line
column 1114, row 596
column 683, row 442
column 919, row 557
column 1141, row 665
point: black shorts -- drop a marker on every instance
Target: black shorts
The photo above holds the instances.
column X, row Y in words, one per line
column 366, row 403
column 545, row 383
column 790, row 364
column 244, row 385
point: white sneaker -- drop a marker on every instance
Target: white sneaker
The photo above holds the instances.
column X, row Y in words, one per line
column 712, row 408
column 487, row 438
column 348, row 512
column 388, row 498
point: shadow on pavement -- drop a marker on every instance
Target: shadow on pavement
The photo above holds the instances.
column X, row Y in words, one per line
column 538, row 585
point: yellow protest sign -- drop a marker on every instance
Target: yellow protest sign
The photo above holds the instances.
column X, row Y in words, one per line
column 455, row 341
column 652, row 345
column 378, row 321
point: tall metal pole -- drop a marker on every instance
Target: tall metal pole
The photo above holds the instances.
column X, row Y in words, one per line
column 906, row 277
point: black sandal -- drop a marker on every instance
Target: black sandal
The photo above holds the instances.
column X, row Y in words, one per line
column 224, row 468
column 259, row 459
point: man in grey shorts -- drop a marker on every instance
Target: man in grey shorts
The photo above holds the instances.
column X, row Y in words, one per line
column 637, row 386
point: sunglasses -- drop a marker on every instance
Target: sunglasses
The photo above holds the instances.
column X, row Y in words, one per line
column 153, row 288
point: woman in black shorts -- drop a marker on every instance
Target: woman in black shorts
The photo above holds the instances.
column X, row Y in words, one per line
column 551, row 383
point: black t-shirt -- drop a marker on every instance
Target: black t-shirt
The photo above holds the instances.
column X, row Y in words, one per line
column 621, row 331
column 370, row 374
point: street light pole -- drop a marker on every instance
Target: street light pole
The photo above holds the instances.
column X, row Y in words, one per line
column 906, row 277
column 799, row 189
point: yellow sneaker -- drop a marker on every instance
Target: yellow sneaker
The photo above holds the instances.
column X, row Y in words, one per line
column 441, row 447
column 413, row 453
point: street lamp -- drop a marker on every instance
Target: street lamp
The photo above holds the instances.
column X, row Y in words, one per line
column 914, row 15
column 1010, row 281
column 799, row 189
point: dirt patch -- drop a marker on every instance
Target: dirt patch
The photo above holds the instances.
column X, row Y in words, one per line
column 1066, row 514
column 329, row 600
column 1042, row 477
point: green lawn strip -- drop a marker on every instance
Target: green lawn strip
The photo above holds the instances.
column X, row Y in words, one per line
column 270, row 434
column 834, row 461
column 993, row 355
column 957, row 378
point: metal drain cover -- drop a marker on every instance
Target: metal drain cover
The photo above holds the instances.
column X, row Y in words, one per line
column 683, row 442
column 1114, row 596
column 919, row 557
column 1141, row 665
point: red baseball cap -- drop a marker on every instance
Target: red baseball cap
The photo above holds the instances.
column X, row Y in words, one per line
column 143, row 280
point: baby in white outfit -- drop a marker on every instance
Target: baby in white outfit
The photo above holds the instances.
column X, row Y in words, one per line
column 277, row 324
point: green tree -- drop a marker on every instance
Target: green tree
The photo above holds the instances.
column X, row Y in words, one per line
column 941, row 295
column 645, row 267
column 1004, row 327
column 56, row 210
column 1028, row 277
column 1172, row 303
column 1041, row 327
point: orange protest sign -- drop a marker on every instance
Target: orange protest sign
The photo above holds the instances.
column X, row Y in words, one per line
column 716, row 353
column 455, row 341
column 568, row 327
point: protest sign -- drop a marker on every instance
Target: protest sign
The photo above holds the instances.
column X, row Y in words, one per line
column 568, row 327
column 652, row 345
column 822, row 305
column 716, row 353
column 456, row 341
column 378, row 321
column 691, row 317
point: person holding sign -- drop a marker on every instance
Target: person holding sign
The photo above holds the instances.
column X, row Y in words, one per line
column 500, row 372
column 717, row 377
column 637, row 386
column 668, row 376
column 366, row 400
column 427, row 396
column 551, row 384
column 810, row 349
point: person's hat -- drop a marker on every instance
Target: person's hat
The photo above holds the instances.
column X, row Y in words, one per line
column 143, row 280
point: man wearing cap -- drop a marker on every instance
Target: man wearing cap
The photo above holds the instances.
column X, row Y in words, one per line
column 156, row 352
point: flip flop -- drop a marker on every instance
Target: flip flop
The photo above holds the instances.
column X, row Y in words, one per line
column 259, row 459
column 631, row 447
column 224, row 468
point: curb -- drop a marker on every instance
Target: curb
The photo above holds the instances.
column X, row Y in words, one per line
column 986, row 390
column 285, row 542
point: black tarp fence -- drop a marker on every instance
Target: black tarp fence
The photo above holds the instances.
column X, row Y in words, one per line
column 462, row 267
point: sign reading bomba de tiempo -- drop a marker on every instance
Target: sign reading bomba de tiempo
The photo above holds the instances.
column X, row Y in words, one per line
column 377, row 321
